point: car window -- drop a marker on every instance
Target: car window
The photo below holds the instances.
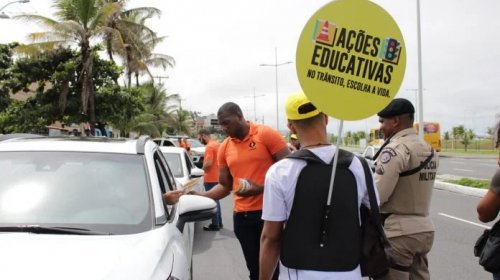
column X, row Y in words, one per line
column 195, row 143
column 168, row 143
column 170, row 176
column 369, row 152
column 175, row 164
column 98, row 191
column 165, row 179
column 189, row 162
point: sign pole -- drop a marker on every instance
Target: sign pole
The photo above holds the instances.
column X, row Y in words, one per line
column 334, row 167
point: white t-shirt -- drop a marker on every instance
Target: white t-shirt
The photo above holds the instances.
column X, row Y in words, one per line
column 279, row 191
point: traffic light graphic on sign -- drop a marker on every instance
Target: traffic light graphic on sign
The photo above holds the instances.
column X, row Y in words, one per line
column 390, row 51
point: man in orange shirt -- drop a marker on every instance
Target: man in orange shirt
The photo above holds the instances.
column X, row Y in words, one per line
column 211, row 176
column 181, row 143
column 186, row 145
column 244, row 158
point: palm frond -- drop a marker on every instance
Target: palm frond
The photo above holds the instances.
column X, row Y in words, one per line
column 142, row 12
column 36, row 49
column 38, row 19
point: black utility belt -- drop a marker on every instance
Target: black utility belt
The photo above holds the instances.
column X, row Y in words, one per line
column 248, row 213
column 384, row 216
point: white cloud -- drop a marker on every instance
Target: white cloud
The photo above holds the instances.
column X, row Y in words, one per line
column 219, row 44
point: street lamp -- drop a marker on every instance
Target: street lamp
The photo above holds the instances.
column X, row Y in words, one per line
column 420, row 93
column 254, row 108
column 3, row 14
column 417, row 104
column 276, row 65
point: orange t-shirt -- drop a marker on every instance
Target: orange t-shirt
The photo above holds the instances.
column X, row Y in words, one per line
column 250, row 158
column 212, row 174
column 186, row 145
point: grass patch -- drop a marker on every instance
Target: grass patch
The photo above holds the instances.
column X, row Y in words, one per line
column 470, row 152
column 468, row 182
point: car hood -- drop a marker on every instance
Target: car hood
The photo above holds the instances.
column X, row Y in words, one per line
column 200, row 150
column 44, row 256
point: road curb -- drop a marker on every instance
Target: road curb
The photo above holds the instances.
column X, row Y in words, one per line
column 459, row 189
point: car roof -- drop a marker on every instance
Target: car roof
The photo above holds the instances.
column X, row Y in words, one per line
column 71, row 143
column 172, row 137
column 18, row 135
column 171, row 149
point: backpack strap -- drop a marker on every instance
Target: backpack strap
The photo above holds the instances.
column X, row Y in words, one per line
column 418, row 168
column 344, row 160
column 371, row 194
column 374, row 209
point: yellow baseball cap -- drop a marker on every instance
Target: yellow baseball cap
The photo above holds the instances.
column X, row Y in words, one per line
column 298, row 107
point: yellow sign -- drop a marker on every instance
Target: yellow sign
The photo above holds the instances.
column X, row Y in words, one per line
column 351, row 59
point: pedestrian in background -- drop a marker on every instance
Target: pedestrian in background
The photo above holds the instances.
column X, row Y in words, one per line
column 489, row 204
column 180, row 142
column 186, row 145
column 404, row 174
column 295, row 196
column 211, row 176
column 244, row 158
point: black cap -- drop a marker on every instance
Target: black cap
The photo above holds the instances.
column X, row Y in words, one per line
column 398, row 106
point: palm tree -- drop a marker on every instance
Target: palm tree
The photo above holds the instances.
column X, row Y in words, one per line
column 77, row 23
column 182, row 121
column 157, row 115
column 140, row 62
column 138, row 43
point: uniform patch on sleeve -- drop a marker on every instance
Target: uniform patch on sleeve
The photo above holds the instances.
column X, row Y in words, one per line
column 386, row 155
column 379, row 169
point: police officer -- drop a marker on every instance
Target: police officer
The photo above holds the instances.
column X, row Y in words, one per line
column 404, row 174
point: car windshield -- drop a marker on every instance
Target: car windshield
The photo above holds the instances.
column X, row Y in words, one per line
column 101, row 192
column 175, row 163
column 195, row 143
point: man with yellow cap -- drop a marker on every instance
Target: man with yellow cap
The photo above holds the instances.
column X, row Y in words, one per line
column 295, row 196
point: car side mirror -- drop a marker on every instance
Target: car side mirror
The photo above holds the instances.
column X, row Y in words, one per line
column 194, row 208
column 197, row 173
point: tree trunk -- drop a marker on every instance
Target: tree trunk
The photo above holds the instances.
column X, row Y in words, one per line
column 88, row 96
column 91, row 100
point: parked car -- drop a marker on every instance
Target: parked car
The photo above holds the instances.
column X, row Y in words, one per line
column 368, row 154
column 182, row 166
column 197, row 148
column 197, row 151
column 92, row 208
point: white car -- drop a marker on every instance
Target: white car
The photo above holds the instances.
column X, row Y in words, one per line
column 368, row 154
column 182, row 167
column 92, row 208
column 197, row 148
column 197, row 151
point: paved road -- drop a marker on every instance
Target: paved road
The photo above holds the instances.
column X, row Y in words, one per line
column 457, row 229
column 480, row 168
column 217, row 255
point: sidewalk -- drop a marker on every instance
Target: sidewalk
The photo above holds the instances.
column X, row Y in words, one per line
column 441, row 185
column 471, row 156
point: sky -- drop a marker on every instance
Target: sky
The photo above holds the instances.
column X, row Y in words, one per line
column 218, row 46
